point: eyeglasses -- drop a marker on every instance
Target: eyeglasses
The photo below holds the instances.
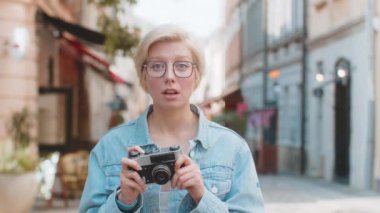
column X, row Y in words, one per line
column 157, row 69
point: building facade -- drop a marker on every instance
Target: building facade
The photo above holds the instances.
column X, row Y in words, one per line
column 253, row 66
column 376, row 150
column 328, row 75
column 19, row 61
column 271, row 80
column 284, row 77
column 340, row 93
column 224, row 50
column 54, row 66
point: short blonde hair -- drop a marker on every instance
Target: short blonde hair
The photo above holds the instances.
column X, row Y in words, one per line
column 168, row 33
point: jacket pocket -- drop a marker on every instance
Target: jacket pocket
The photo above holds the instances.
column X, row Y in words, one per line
column 112, row 173
column 217, row 179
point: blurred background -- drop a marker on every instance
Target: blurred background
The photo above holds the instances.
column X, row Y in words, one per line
column 298, row 79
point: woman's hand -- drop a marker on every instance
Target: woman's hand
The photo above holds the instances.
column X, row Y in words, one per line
column 131, row 184
column 188, row 176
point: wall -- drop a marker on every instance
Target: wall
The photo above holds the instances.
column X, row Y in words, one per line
column 325, row 15
column 321, row 141
column 18, row 77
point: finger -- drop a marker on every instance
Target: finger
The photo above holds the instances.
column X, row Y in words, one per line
column 188, row 183
column 183, row 160
column 190, row 168
column 174, row 180
column 188, row 160
column 185, row 173
column 134, row 186
column 193, row 181
column 127, row 183
column 128, row 164
column 179, row 163
column 135, row 148
column 185, row 177
column 135, row 177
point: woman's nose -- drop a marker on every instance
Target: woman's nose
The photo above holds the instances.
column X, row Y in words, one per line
column 169, row 74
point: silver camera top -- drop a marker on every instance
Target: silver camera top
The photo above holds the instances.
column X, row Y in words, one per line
column 153, row 154
column 157, row 163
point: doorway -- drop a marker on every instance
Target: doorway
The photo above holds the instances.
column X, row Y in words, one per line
column 342, row 121
column 55, row 118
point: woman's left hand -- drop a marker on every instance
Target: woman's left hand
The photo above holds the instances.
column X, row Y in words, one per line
column 188, row 176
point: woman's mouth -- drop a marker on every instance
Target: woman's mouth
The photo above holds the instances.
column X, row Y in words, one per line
column 170, row 92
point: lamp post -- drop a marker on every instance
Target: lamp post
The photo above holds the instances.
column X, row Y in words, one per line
column 341, row 75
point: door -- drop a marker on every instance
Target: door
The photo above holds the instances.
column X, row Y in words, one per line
column 342, row 122
column 55, row 118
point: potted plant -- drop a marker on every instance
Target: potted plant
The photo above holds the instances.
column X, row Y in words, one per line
column 18, row 163
column 232, row 120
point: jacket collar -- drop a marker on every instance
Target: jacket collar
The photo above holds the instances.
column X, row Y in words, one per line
column 142, row 137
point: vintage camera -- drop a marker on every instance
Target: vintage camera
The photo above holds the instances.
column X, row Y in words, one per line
column 157, row 163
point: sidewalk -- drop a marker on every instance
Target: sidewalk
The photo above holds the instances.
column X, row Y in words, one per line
column 287, row 194
column 297, row 194
column 57, row 207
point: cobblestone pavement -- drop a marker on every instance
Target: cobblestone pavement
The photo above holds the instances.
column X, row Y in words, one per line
column 297, row 194
column 287, row 194
column 58, row 206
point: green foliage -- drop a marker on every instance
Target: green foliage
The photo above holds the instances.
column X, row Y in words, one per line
column 18, row 153
column 233, row 121
column 111, row 3
column 118, row 37
column 14, row 160
column 20, row 128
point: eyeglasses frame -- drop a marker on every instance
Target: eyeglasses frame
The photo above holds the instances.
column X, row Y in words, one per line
column 144, row 67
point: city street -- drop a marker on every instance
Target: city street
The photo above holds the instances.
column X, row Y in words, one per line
column 293, row 194
column 298, row 80
column 297, row 194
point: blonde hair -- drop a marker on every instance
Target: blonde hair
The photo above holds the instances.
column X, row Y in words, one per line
column 168, row 33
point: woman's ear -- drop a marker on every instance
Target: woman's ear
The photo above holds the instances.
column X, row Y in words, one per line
column 144, row 83
column 197, row 78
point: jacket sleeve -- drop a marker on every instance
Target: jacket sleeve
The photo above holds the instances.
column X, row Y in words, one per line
column 244, row 196
column 95, row 197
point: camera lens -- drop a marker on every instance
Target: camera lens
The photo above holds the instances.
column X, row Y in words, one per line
column 161, row 174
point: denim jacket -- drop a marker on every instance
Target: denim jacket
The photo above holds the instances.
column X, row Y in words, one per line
column 229, row 174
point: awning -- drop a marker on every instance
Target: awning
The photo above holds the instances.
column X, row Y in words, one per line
column 99, row 62
column 88, row 35
column 232, row 96
column 74, row 29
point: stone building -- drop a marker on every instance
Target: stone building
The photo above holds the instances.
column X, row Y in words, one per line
column 340, row 95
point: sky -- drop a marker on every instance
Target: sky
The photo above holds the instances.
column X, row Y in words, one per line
column 200, row 17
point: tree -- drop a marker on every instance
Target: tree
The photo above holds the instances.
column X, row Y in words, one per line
column 118, row 37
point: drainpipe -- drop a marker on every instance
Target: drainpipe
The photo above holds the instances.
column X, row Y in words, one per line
column 373, row 9
column 265, row 64
column 242, row 25
column 304, row 88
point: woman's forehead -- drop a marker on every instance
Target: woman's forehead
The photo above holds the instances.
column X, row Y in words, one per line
column 164, row 49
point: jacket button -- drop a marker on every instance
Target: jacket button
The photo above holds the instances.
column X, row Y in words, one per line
column 214, row 190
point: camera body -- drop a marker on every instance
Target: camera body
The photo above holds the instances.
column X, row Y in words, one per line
column 157, row 163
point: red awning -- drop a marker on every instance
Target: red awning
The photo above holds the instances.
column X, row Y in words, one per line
column 100, row 62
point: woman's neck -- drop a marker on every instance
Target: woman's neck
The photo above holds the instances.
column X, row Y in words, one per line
column 166, row 127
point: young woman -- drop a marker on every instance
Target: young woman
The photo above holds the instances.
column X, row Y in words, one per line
column 215, row 173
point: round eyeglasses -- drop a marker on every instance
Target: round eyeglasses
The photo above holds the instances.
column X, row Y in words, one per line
column 157, row 69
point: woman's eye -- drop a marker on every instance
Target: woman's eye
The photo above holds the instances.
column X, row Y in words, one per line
column 157, row 66
column 182, row 66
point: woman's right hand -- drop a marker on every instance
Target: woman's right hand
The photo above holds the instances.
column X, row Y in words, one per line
column 131, row 184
